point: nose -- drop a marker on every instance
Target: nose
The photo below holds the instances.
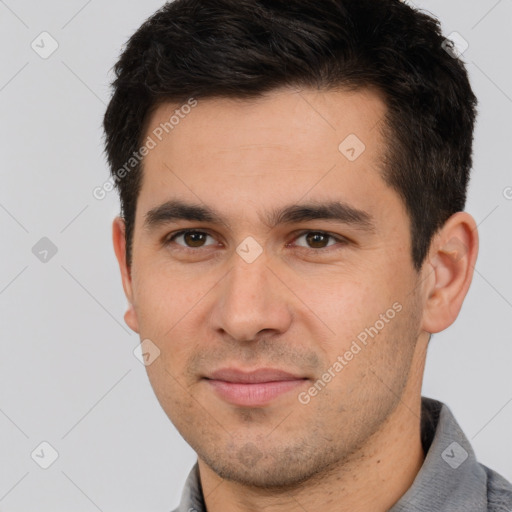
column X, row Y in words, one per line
column 251, row 300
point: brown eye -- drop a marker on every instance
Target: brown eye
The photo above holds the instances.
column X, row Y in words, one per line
column 191, row 239
column 194, row 238
column 317, row 239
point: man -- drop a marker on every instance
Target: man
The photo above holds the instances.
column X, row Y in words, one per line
column 292, row 177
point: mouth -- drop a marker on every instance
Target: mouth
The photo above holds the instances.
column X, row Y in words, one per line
column 255, row 388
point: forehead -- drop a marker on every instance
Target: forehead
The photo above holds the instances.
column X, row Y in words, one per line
column 281, row 118
column 252, row 154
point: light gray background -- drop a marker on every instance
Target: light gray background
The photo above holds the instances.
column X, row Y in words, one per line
column 68, row 375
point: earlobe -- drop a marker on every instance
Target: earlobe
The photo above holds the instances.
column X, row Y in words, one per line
column 452, row 258
column 130, row 317
column 119, row 242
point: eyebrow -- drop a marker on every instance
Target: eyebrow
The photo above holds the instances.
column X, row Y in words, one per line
column 337, row 211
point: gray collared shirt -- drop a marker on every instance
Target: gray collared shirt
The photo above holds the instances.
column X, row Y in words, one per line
column 450, row 480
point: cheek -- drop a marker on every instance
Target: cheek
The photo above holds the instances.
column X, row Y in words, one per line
column 374, row 330
column 172, row 392
column 347, row 307
column 164, row 298
column 372, row 364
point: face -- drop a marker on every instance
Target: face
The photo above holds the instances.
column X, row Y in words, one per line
column 286, row 308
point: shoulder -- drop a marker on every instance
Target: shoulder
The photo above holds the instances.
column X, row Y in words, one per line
column 499, row 492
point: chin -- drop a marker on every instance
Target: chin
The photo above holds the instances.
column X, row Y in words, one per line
column 283, row 470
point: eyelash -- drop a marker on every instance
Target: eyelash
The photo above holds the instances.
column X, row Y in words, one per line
column 341, row 240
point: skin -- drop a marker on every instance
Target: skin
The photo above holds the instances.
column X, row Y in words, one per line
column 356, row 444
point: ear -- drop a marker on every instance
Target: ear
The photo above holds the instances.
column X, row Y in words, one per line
column 449, row 272
column 119, row 241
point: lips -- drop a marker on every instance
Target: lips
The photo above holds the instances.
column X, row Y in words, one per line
column 255, row 388
column 252, row 377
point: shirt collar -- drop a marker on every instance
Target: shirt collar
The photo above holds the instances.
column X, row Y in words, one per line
column 449, row 479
